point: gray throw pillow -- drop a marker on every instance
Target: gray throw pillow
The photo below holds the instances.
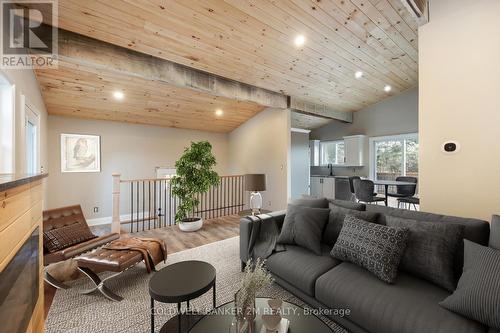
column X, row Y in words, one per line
column 431, row 250
column 310, row 202
column 375, row 247
column 304, row 226
column 478, row 293
column 348, row 204
column 336, row 220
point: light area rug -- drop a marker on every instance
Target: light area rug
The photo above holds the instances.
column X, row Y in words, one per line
column 72, row 312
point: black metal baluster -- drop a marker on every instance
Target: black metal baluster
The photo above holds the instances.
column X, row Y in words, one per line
column 154, row 200
column 165, row 203
column 170, row 204
column 143, row 205
column 137, row 208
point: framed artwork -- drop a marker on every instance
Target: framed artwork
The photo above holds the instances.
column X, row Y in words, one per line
column 80, row 153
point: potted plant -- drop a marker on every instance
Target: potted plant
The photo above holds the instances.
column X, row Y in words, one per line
column 194, row 175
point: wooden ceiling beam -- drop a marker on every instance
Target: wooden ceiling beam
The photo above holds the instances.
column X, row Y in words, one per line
column 89, row 52
column 320, row 110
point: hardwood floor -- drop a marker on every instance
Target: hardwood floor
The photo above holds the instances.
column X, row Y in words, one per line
column 213, row 230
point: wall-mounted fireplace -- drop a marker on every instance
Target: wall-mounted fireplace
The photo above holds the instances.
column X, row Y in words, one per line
column 19, row 287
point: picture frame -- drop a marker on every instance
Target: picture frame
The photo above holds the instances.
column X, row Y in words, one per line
column 80, row 153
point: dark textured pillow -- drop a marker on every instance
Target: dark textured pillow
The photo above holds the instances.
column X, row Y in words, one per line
column 304, row 226
column 377, row 248
column 478, row 293
column 336, row 220
column 310, row 202
column 60, row 238
column 431, row 249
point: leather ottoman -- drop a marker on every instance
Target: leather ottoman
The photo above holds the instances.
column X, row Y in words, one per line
column 117, row 257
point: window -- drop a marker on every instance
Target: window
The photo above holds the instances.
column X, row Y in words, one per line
column 332, row 152
column 6, row 126
column 31, row 137
column 394, row 156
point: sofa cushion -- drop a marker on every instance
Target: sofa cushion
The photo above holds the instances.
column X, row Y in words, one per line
column 478, row 292
column 301, row 267
column 57, row 239
column 304, row 226
column 375, row 247
column 348, row 204
column 495, row 232
column 336, row 221
column 477, row 231
column 310, row 202
column 408, row 306
column 431, row 250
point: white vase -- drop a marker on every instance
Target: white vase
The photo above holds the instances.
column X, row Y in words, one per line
column 191, row 224
column 255, row 202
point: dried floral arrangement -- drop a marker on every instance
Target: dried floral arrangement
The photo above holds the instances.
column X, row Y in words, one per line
column 255, row 278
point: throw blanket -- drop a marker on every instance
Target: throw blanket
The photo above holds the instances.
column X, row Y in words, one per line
column 263, row 239
column 153, row 250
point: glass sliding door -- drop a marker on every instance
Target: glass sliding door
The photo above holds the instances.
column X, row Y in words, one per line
column 393, row 156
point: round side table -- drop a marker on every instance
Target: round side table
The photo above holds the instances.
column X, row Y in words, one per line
column 177, row 283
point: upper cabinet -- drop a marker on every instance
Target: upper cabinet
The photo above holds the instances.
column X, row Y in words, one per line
column 348, row 152
column 354, row 146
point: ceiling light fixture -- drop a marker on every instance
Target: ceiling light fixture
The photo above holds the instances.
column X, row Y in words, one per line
column 300, row 40
column 219, row 112
column 358, row 74
column 118, row 95
column 387, row 88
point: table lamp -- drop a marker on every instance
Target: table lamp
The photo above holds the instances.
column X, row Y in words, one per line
column 255, row 183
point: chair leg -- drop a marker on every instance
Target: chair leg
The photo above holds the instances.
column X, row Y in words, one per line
column 99, row 285
column 53, row 281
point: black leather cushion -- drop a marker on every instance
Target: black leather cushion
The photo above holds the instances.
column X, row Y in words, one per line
column 375, row 247
column 310, row 202
column 304, row 226
column 65, row 236
column 431, row 250
column 336, row 221
column 411, row 305
column 301, row 267
column 478, row 292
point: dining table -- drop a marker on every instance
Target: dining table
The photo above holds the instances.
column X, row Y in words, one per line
column 387, row 183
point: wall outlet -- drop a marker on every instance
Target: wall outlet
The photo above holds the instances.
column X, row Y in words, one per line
column 96, row 209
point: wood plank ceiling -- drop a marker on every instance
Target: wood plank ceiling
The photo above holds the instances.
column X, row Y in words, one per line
column 252, row 41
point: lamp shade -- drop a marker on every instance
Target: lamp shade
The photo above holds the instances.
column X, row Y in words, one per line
column 255, row 182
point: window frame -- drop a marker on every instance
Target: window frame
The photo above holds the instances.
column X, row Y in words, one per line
column 336, row 142
column 399, row 137
column 8, row 156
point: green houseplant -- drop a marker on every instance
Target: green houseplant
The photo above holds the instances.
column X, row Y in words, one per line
column 194, row 175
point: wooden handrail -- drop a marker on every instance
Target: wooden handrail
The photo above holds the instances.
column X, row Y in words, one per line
column 164, row 179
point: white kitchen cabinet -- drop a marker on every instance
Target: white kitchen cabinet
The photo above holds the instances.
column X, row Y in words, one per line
column 354, row 146
column 323, row 187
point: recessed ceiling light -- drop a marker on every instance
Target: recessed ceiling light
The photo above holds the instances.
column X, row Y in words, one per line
column 387, row 88
column 219, row 112
column 118, row 95
column 358, row 74
column 300, row 40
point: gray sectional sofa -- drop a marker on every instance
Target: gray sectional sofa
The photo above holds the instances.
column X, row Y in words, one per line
column 408, row 306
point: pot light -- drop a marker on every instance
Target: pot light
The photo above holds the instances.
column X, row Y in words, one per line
column 299, row 40
column 358, row 74
column 387, row 88
column 118, row 95
column 219, row 112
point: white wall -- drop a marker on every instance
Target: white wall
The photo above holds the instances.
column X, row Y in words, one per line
column 262, row 145
column 299, row 164
column 132, row 150
column 459, row 79
column 396, row 115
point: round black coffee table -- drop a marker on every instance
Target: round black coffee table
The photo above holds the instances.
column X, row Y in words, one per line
column 177, row 283
column 300, row 319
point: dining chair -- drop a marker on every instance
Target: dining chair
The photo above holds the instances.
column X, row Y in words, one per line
column 364, row 191
column 405, row 191
column 351, row 185
column 409, row 201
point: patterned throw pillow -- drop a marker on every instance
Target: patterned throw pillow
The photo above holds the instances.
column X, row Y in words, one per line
column 375, row 247
column 478, row 293
column 57, row 239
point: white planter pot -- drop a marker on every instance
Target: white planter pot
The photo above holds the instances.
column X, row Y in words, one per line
column 191, row 224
